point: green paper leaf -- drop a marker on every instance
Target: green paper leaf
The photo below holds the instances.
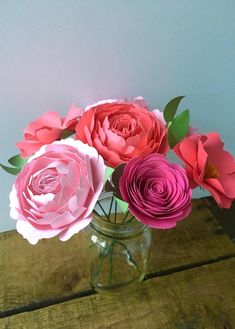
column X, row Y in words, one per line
column 108, row 173
column 122, row 204
column 172, row 141
column 10, row 170
column 17, row 161
column 66, row 133
column 179, row 128
column 171, row 108
column 180, row 125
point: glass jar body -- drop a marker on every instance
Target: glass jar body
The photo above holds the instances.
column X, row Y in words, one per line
column 117, row 252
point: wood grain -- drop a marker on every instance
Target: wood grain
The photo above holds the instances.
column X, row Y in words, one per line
column 199, row 238
column 226, row 217
column 199, row 298
column 55, row 269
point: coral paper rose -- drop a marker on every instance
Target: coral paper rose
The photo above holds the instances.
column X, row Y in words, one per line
column 47, row 129
column 121, row 130
column 208, row 165
column 157, row 191
column 56, row 191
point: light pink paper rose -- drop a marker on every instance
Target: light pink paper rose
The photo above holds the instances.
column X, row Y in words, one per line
column 156, row 190
column 47, row 129
column 56, row 191
column 122, row 129
column 208, row 165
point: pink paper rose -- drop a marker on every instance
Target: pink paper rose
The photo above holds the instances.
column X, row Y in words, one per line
column 47, row 129
column 56, row 190
column 122, row 129
column 157, row 191
column 209, row 166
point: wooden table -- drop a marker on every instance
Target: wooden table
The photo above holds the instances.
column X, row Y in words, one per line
column 190, row 284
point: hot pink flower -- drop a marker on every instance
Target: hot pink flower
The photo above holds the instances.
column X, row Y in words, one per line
column 47, row 129
column 122, row 129
column 157, row 191
column 209, row 166
column 56, row 190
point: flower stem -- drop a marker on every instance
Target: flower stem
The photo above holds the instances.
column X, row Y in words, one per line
column 102, row 257
column 125, row 217
column 129, row 255
column 103, row 211
column 115, row 218
column 111, row 262
column 96, row 212
column 104, row 252
column 110, row 208
column 130, row 220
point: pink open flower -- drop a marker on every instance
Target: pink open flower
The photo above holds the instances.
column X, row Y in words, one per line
column 122, row 129
column 47, row 129
column 56, row 191
column 208, row 165
column 156, row 190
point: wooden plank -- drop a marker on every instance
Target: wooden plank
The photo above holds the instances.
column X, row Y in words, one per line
column 54, row 269
column 226, row 217
column 196, row 239
column 199, row 298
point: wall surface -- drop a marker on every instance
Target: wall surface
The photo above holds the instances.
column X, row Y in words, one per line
column 54, row 53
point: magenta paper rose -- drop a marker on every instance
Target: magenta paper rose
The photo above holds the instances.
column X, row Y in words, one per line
column 47, row 129
column 56, row 190
column 121, row 130
column 157, row 191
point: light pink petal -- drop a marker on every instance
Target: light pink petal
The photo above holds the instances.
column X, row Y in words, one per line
column 27, row 148
column 43, row 198
column 159, row 115
column 73, row 115
column 51, row 119
column 79, row 199
column 15, row 212
column 32, row 234
column 139, row 101
column 74, row 228
column 46, row 136
column 63, row 167
column 105, row 101
column 62, row 220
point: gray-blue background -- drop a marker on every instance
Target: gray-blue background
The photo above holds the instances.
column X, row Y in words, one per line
column 53, row 53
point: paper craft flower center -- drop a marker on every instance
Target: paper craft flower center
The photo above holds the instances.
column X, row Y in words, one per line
column 123, row 126
column 46, row 181
column 211, row 171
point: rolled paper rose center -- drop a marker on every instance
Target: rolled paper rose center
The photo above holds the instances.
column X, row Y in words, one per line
column 46, row 181
column 158, row 189
column 123, row 127
column 211, row 171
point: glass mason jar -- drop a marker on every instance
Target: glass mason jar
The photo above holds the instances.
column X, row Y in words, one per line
column 118, row 247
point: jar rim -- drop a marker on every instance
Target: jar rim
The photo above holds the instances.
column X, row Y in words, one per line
column 116, row 230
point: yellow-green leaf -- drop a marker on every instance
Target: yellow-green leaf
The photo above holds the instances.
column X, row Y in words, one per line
column 108, row 173
column 171, row 108
column 122, row 204
column 179, row 128
column 10, row 170
column 17, row 161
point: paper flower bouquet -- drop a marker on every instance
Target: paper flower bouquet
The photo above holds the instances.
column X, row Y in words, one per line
column 120, row 146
